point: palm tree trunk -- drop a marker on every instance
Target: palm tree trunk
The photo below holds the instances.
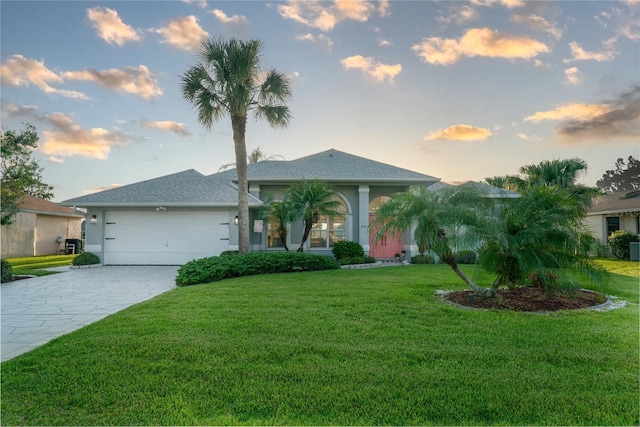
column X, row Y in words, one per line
column 478, row 290
column 305, row 236
column 238, row 123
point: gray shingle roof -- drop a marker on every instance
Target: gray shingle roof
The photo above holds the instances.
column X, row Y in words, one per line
column 187, row 188
column 620, row 202
column 330, row 165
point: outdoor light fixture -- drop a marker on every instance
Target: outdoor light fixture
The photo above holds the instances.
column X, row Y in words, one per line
column 236, row 220
column 94, row 219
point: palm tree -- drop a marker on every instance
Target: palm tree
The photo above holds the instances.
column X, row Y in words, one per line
column 310, row 200
column 561, row 173
column 255, row 156
column 439, row 218
column 226, row 80
column 282, row 213
column 542, row 229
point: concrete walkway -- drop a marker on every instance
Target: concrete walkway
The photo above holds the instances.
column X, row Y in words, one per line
column 36, row 310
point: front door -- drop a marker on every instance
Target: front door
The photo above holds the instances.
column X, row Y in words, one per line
column 387, row 246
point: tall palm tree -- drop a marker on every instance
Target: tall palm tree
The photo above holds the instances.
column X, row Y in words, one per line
column 311, row 199
column 227, row 80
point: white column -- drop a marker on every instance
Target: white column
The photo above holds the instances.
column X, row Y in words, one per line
column 363, row 217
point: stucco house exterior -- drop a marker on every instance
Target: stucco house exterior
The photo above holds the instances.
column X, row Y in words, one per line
column 176, row 218
column 40, row 227
column 612, row 212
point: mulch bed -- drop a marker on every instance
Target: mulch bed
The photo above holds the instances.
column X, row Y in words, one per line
column 527, row 299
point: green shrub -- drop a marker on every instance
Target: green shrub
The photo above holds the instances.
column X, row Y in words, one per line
column 619, row 243
column 348, row 249
column 229, row 253
column 213, row 269
column 369, row 260
column 86, row 258
column 466, row 257
column 7, row 275
column 422, row 259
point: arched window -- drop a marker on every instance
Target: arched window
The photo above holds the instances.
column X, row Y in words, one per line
column 375, row 204
column 329, row 230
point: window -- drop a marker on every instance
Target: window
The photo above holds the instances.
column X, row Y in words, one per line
column 273, row 236
column 613, row 224
column 329, row 230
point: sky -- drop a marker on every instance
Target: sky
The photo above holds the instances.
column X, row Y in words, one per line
column 456, row 90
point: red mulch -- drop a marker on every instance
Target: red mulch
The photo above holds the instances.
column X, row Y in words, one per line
column 527, row 299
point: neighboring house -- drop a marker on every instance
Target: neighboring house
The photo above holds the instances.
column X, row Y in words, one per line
column 184, row 216
column 612, row 212
column 40, row 227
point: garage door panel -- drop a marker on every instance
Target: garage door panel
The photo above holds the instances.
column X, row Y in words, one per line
column 170, row 237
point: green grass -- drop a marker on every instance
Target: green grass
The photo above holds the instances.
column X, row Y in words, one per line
column 34, row 265
column 348, row 347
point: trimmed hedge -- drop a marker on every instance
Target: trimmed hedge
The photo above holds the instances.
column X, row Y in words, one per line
column 7, row 274
column 214, row 269
column 422, row 259
column 86, row 258
column 348, row 249
column 619, row 243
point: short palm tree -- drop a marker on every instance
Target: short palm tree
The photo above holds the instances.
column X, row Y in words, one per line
column 281, row 212
column 310, row 200
column 227, row 80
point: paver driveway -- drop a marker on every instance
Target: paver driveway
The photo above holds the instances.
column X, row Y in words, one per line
column 36, row 310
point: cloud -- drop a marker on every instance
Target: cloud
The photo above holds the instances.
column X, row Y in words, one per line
column 459, row 15
column 137, row 81
column 167, row 126
column 324, row 15
column 579, row 54
column 537, row 22
column 68, row 139
column 384, row 42
column 569, row 111
column 510, row 4
column 323, row 41
column 459, row 133
column 478, row 42
column 620, row 120
column 20, row 71
column 573, row 76
column 110, row 27
column 183, row 33
column 236, row 23
column 375, row 70
column 526, row 137
column 609, row 120
column 200, row 3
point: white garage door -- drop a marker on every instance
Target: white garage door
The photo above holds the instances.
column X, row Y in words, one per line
column 163, row 238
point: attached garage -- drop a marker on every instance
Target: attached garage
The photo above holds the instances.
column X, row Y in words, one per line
column 164, row 237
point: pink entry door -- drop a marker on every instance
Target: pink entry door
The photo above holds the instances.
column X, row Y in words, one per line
column 387, row 246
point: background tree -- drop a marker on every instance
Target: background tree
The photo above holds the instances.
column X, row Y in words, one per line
column 622, row 178
column 21, row 175
column 309, row 200
column 227, row 80
column 255, row 156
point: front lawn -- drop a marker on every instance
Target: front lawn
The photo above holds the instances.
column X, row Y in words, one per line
column 343, row 347
column 34, row 265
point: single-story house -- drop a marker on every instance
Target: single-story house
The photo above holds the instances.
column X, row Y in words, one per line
column 40, row 227
column 176, row 218
column 612, row 212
